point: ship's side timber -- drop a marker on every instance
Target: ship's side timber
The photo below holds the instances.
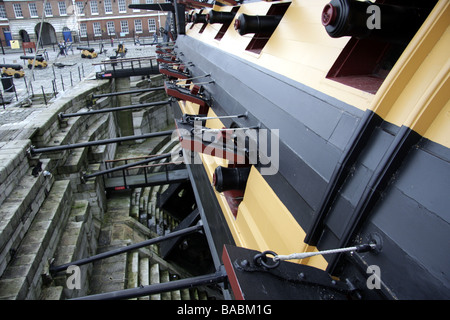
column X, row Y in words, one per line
column 393, row 156
column 407, row 205
column 306, row 150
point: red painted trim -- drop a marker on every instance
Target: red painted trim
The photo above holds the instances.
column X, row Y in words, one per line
column 232, row 279
column 181, row 96
column 174, row 74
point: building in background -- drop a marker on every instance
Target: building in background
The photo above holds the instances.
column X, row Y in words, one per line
column 75, row 21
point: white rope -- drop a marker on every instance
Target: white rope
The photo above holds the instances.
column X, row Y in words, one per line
column 294, row 256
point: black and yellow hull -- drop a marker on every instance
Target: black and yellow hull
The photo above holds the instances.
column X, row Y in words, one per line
column 356, row 164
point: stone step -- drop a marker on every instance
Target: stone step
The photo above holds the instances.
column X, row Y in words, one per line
column 133, row 270
column 52, row 293
column 77, row 158
column 19, row 210
column 75, row 244
column 155, row 278
column 22, row 278
column 144, row 274
column 13, row 165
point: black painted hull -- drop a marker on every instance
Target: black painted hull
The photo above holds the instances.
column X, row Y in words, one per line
column 361, row 177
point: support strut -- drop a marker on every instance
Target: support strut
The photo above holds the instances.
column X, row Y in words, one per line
column 95, row 96
column 218, row 277
column 129, row 165
column 107, row 254
column 135, row 106
column 100, row 142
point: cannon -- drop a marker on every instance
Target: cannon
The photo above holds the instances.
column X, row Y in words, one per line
column 220, row 17
column 87, row 52
column 397, row 24
column 14, row 70
column 256, row 24
column 121, row 51
column 38, row 61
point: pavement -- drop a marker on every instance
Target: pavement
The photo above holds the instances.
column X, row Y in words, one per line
column 53, row 80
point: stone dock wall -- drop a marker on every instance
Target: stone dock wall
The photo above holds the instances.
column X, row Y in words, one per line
column 47, row 215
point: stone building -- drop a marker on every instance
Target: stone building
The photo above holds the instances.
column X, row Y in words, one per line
column 77, row 20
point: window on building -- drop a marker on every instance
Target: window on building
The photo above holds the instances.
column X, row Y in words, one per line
column 151, row 25
column 62, row 8
column 2, row 11
column 33, row 9
column 111, row 28
column 148, row 1
column 48, row 10
column 80, row 8
column 138, row 26
column 108, row 6
column 18, row 10
column 124, row 26
column 83, row 30
column 122, row 6
column 94, row 7
column 97, row 29
column 135, row 2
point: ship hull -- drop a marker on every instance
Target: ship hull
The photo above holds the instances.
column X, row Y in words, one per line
column 347, row 173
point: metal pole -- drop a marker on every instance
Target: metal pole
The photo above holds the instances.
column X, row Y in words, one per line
column 218, row 277
column 125, row 166
column 43, row 94
column 107, row 254
column 100, row 142
column 94, row 96
column 77, row 114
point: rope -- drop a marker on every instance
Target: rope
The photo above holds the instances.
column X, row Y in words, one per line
column 294, row 256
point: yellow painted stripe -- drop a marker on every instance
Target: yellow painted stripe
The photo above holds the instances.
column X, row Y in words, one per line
column 299, row 48
column 416, row 92
column 263, row 220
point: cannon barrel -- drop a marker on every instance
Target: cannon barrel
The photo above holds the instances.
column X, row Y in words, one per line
column 12, row 66
column 90, row 49
column 38, row 58
column 199, row 18
column 396, row 24
column 214, row 16
column 256, row 24
column 225, row 179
